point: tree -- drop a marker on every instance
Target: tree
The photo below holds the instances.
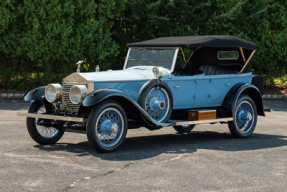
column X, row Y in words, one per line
column 47, row 38
column 260, row 21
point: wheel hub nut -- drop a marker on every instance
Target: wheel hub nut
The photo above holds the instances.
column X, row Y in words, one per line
column 162, row 105
column 115, row 128
column 249, row 117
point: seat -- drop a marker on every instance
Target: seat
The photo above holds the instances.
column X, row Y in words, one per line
column 219, row 69
column 185, row 72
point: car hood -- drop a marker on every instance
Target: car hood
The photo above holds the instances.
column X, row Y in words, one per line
column 119, row 75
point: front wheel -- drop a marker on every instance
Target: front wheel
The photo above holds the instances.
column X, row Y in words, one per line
column 107, row 126
column 245, row 117
column 41, row 134
column 183, row 128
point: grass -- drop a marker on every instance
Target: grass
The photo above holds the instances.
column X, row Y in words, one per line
column 279, row 86
column 281, row 80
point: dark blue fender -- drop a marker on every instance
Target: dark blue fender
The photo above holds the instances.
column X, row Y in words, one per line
column 36, row 94
column 242, row 88
column 100, row 95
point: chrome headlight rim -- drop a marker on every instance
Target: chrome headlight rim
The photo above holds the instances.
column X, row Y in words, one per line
column 53, row 92
column 77, row 93
column 157, row 73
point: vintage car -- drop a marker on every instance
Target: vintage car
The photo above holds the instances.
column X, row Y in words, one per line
column 214, row 85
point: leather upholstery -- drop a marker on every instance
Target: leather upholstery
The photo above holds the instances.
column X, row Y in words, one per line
column 208, row 70
column 186, row 72
column 219, row 69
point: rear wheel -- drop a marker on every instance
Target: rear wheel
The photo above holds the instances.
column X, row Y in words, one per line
column 184, row 128
column 245, row 117
column 41, row 134
column 107, row 126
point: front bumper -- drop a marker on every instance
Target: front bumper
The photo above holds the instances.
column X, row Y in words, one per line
column 53, row 117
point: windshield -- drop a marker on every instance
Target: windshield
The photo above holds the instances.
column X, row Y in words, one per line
column 151, row 57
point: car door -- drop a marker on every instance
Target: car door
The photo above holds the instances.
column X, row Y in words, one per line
column 219, row 87
column 201, row 91
column 182, row 88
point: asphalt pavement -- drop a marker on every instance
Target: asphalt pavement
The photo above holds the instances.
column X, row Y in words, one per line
column 207, row 159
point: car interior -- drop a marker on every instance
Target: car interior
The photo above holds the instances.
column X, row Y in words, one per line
column 204, row 60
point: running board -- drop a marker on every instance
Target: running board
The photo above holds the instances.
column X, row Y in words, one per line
column 53, row 117
column 181, row 122
column 82, row 120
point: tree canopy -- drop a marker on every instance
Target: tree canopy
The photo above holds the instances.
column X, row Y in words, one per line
column 47, row 38
column 43, row 39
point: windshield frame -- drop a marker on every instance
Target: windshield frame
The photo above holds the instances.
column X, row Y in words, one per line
column 173, row 60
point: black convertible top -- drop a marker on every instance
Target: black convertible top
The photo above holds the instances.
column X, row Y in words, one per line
column 195, row 41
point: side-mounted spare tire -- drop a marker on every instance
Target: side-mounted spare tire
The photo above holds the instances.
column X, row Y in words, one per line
column 156, row 99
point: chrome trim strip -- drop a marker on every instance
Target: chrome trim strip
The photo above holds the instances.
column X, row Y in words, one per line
column 174, row 60
column 52, row 117
column 202, row 110
column 202, row 122
column 126, row 61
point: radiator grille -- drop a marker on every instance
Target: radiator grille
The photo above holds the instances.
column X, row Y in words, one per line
column 67, row 104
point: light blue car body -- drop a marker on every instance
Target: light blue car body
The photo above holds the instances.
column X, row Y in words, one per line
column 153, row 92
column 197, row 91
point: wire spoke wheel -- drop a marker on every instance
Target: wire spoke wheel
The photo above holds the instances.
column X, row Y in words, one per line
column 157, row 104
column 245, row 117
column 45, row 132
column 109, row 127
column 39, row 133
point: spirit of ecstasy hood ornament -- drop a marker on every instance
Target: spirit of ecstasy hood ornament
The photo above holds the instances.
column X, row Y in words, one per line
column 79, row 65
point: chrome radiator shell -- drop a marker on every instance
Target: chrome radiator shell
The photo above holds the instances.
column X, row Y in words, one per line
column 67, row 104
column 68, row 82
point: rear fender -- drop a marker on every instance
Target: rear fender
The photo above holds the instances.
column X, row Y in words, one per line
column 237, row 90
column 129, row 105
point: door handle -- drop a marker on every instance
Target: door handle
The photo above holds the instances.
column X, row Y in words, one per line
column 227, row 84
column 177, row 87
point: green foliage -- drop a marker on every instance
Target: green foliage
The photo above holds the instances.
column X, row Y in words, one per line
column 50, row 36
column 41, row 40
column 281, row 80
column 260, row 21
column 271, row 57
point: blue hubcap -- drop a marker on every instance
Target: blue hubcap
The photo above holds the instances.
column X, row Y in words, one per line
column 244, row 117
column 157, row 104
column 109, row 127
